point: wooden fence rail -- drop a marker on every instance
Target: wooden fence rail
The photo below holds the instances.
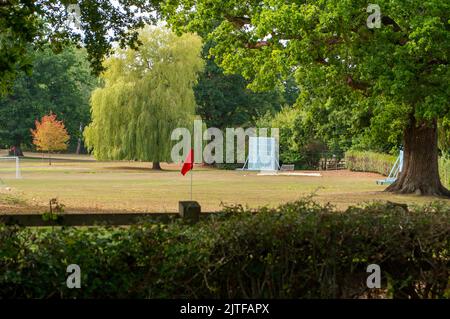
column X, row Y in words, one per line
column 188, row 210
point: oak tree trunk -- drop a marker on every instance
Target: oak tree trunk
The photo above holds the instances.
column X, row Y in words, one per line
column 420, row 174
column 156, row 166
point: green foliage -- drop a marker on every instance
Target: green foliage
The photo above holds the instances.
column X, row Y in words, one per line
column 18, row 27
column 298, row 144
column 55, row 208
column 383, row 132
column 369, row 162
column 225, row 101
column 382, row 164
column 35, row 24
column 147, row 94
column 358, row 85
column 444, row 136
column 299, row 250
column 60, row 84
column 444, row 170
column 403, row 62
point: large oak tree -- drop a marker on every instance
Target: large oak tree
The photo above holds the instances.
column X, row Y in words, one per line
column 398, row 72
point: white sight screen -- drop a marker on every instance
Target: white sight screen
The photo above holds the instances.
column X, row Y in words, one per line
column 262, row 154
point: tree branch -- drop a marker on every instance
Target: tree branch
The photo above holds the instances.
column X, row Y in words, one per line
column 389, row 21
column 361, row 86
column 257, row 45
column 238, row 22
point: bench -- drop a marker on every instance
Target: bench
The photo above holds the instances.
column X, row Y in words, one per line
column 287, row 167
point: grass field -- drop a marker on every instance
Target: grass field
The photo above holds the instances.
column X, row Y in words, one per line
column 83, row 184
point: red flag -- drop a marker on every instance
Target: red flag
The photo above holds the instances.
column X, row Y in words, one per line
column 188, row 163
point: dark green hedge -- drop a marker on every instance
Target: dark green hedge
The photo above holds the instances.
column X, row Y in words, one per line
column 299, row 250
column 369, row 162
column 382, row 163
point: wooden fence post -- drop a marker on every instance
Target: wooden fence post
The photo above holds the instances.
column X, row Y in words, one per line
column 189, row 211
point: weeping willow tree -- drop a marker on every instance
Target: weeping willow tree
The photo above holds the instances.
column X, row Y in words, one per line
column 146, row 94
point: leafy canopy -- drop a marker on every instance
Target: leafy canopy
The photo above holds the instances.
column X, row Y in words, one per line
column 60, row 83
column 146, row 94
column 225, row 101
column 350, row 76
column 26, row 24
column 50, row 134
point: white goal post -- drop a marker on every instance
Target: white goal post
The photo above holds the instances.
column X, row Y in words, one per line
column 16, row 160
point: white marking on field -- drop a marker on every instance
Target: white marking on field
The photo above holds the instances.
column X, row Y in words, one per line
column 289, row 174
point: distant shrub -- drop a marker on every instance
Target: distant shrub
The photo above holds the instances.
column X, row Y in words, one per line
column 369, row 162
column 444, row 170
column 382, row 164
column 299, row 250
column 297, row 144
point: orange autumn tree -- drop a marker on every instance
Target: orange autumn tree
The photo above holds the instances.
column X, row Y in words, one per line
column 50, row 135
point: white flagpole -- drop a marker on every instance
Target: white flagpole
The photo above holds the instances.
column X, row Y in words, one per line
column 191, row 179
column 193, row 157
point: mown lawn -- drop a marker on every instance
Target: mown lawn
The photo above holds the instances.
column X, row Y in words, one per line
column 83, row 184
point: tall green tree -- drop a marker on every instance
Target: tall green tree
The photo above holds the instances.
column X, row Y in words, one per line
column 396, row 70
column 61, row 83
column 223, row 100
column 147, row 94
column 297, row 142
column 94, row 24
